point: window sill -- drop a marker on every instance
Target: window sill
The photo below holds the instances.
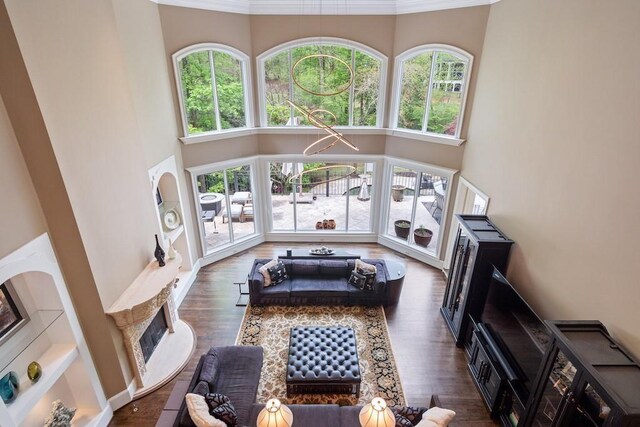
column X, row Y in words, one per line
column 215, row 136
column 430, row 137
column 309, row 130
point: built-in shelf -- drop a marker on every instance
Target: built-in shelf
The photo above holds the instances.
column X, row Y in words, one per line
column 39, row 322
column 54, row 361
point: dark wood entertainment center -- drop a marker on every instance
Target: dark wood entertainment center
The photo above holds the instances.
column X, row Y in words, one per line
column 584, row 378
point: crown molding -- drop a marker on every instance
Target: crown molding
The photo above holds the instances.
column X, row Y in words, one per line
column 325, row 7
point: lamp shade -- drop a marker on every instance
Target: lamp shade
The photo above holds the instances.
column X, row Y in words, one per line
column 275, row 414
column 376, row 414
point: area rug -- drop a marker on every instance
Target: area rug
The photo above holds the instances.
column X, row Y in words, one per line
column 269, row 328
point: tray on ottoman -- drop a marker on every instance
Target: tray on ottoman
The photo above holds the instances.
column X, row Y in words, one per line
column 323, row 360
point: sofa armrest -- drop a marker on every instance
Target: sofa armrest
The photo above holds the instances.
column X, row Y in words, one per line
column 183, row 419
column 256, row 279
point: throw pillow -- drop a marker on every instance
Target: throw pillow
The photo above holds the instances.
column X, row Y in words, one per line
column 226, row 413
column 362, row 267
column 412, row 413
column 439, row 416
column 214, row 400
column 199, row 412
column 278, row 273
column 357, row 280
column 265, row 273
column 426, row 423
column 402, row 421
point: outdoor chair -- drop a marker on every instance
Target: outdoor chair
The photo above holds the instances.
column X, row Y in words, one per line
column 237, row 213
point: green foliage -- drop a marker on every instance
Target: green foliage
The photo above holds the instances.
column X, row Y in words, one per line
column 214, row 181
column 322, row 75
column 197, row 86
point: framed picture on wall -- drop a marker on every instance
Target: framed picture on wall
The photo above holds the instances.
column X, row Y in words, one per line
column 12, row 313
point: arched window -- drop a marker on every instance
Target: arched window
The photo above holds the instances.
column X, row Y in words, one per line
column 213, row 82
column 312, row 63
column 430, row 89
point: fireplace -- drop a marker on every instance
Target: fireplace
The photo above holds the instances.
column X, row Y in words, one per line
column 153, row 334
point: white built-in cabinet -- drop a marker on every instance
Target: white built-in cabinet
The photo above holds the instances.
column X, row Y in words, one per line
column 52, row 337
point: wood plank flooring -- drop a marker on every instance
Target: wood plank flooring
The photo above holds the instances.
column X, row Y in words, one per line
column 428, row 361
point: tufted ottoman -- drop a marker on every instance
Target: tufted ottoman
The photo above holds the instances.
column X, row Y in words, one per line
column 323, row 360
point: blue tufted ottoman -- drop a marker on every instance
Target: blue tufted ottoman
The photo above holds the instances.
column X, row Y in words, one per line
column 323, row 360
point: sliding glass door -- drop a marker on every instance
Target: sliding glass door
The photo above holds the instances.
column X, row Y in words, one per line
column 321, row 196
column 225, row 206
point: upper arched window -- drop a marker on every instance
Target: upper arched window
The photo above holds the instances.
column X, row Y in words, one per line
column 430, row 89
column 322, row 66
column 212, row 86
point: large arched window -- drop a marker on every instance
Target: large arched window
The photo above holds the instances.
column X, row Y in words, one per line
column 313, row 65
column 213, row 82
column 430, row 89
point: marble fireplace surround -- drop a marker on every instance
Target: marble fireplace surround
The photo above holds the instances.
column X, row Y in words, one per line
column 134, row 310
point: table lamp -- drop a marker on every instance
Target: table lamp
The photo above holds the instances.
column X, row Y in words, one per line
column 376, row 414
column 275, row 414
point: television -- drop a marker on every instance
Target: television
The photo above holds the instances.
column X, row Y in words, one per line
column 518, row 333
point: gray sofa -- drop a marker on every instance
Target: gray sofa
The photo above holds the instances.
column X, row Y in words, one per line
column 318, row 282
column 235, row 372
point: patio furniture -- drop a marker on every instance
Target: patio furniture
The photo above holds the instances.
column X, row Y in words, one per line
column 248, row 212
column 211, row 202
column 241, row 198
column 237, row 213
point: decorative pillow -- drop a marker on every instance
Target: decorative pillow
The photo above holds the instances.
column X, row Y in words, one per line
column 278, row 273
column 199, row 412
column 403, row 422
column 426, row 423
column 439, row 416
column 412, row 413
column 226, row 413
column 265, row 273
column 357, row 280
column 363, row 268
column 214, row 400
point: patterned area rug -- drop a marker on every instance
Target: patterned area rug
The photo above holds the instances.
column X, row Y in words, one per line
column 269, row 327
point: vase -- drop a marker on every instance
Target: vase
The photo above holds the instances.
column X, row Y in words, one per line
column 9, row 387
column 171, row 251
column 331, row 224
column 397, row 192
column 159, row 253
column 319, row 225
column 422, row 237
column 402, row 228
column 34, row 371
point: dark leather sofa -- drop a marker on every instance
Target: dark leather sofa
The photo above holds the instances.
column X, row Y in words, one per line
column 235, row 372
column 318, row 282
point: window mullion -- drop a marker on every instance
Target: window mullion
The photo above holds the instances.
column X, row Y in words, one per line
column 215, row 90
column 292, row 116
column 352, row 89
column 434, row 60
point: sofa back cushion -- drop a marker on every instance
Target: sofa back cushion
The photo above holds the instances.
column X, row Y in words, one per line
column 305, row 267
column 334, row 268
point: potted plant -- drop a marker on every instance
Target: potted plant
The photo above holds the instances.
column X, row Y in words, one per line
column 397, row 192
column 402, row 227
column 422, row 236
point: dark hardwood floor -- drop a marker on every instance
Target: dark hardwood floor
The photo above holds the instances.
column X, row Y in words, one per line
column 428, row 361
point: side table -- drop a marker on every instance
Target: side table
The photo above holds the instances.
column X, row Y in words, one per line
column 397, row 272
column 242, row 294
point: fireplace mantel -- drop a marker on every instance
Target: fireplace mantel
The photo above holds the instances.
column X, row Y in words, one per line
column 132, row 312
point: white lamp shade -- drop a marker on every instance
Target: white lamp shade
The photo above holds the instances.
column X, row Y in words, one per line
column 377, row 414
column 275, row 414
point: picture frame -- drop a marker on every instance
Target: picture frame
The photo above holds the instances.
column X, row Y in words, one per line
column 13, row 316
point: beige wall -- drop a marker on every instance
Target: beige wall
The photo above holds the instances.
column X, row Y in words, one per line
column 554, row 142
column 21, row 217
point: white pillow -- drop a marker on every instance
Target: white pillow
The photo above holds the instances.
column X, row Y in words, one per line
column 363, row 267
column 436, row 417
column 265, row 273
column 199, row 412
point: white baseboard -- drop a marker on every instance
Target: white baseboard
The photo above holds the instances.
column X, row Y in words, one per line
column 102, row 420
column 188, row 281
column 232, row 250
column 125, row 396
column 406, row 250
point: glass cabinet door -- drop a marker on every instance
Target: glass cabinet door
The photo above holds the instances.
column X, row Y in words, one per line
column 556, row 392
column 465, row 279
column 590, row 409
column 457, row 271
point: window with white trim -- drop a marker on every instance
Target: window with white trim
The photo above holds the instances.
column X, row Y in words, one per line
column 312, row 63
column 212, row 86
column 430, row 90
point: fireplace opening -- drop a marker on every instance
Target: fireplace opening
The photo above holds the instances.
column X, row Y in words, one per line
column 152, row 336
